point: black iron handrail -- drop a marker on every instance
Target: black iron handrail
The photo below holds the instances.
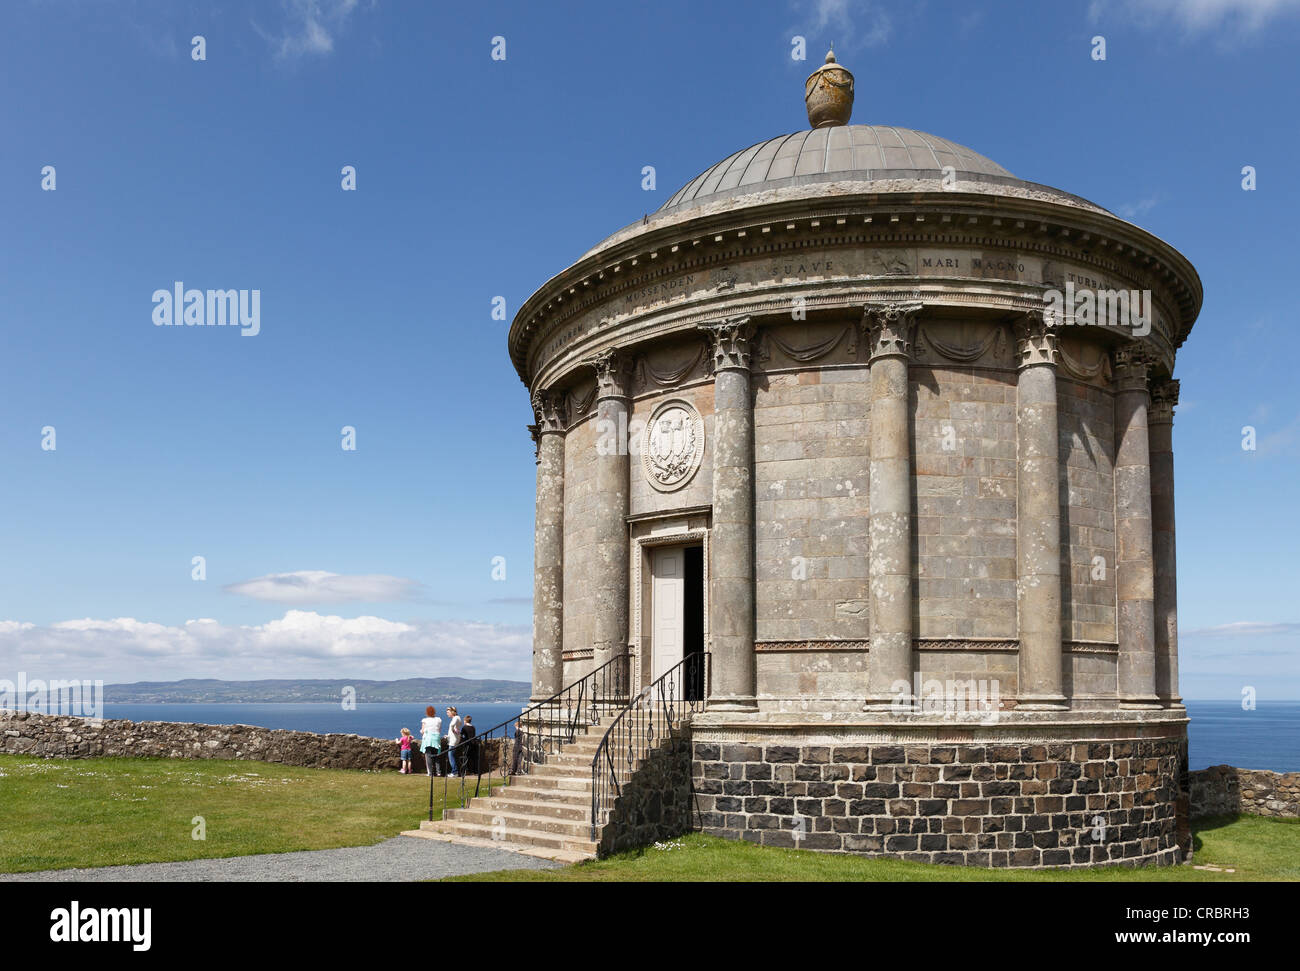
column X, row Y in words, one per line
column 637, row 729
column 540, row 730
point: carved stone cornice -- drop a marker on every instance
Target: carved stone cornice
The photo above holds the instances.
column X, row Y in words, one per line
column 1132, row 362
column 1164, row 397
column 613, row 374
column 549, row 407
column 730, row 341
column 1036, row 339
column 889, row 328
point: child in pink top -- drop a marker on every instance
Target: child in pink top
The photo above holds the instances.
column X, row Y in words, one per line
column 406, row 740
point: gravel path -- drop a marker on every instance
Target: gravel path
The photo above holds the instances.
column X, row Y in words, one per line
column 396, row 859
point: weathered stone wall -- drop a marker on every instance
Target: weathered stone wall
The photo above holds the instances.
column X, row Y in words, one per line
column 656, row 802
column 981, row 804
column 964, row 450
column 1225, row 790
column 1087, row 428
column 579, row 545
column 794, row 677
column 58, row 736
column 811, row 442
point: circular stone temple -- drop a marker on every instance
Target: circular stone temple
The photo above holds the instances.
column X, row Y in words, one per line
column 886, row 431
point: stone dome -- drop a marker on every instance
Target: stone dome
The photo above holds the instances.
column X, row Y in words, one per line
column 867, row 153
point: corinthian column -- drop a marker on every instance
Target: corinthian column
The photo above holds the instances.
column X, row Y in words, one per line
column 1160, row 421
column 1038, row 514
column 610, row 582
column 548, row 546
column 890, row 524
column 733, row 683
column 1134, row 574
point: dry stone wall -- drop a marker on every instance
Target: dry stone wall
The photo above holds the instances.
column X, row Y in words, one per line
column 1225, row 790
column 58, row 736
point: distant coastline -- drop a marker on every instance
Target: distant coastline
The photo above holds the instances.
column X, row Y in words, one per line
column 319, row 691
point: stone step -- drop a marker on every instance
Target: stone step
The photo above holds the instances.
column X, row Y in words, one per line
column 510, row 823
column 577, row 808
column 573, row 770
column 540, row 852
column 569, row 783
column 555, row 841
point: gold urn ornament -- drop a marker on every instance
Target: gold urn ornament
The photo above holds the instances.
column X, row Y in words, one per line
column 828, row 93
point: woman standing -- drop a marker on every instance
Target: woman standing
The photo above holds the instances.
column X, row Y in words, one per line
column 431, row 739
column 453, row 736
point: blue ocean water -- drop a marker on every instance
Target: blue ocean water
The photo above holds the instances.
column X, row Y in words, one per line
column 373, row 719
column 1221, row 733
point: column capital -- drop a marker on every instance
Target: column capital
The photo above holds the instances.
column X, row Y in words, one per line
column 1164, row 397
column 1132, row 362
column 889, row 328
column 1035, row 334
column 535, row 434
column 613, row 374
column 729, row 339
column 550, row 407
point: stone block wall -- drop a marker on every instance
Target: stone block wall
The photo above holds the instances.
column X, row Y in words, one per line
column 811, row 505
column 59, row 736
column 797, row 678
column 1086, row 414
column 1065, row 804
column 1224, row 790
column 964, row 450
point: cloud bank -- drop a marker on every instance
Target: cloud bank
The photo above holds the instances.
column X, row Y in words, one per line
column 301, row 644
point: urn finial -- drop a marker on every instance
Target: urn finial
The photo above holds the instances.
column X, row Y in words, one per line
column 828, row 94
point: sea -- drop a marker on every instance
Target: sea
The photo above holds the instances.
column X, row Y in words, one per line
column 373, row 719
column 1221, row 733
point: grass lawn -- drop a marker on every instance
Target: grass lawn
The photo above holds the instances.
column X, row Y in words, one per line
column 57, row 813
column 1256, row 848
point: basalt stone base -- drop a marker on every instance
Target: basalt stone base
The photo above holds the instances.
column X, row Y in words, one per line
column 1063, row 792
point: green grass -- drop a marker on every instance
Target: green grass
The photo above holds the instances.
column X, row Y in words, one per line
column 57, row 813
column 1256, row 848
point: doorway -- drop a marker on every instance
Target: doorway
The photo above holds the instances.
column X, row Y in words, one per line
column 677, row 614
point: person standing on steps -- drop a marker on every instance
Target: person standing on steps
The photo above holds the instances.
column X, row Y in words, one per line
column 431, row 740
column 453, row 737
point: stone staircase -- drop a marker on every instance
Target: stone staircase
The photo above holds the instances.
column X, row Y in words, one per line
column 546, row 813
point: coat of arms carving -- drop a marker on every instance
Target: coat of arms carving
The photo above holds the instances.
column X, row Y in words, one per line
column 672, row 446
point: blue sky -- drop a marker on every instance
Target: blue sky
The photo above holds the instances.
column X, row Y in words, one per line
column 479, row 178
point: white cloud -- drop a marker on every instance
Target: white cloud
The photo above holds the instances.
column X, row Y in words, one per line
column 848, row 24
column 1197, row 16
column 1135, row 210
column 1240, row 628
column 310, row 27
column 301, row 644
column 320, row 587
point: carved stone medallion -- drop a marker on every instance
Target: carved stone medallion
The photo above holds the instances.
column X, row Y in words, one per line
column 672, row 446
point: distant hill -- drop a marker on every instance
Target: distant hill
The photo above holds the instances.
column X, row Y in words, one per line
column 422, row 690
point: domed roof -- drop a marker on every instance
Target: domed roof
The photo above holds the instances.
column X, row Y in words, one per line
column 866, row 153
